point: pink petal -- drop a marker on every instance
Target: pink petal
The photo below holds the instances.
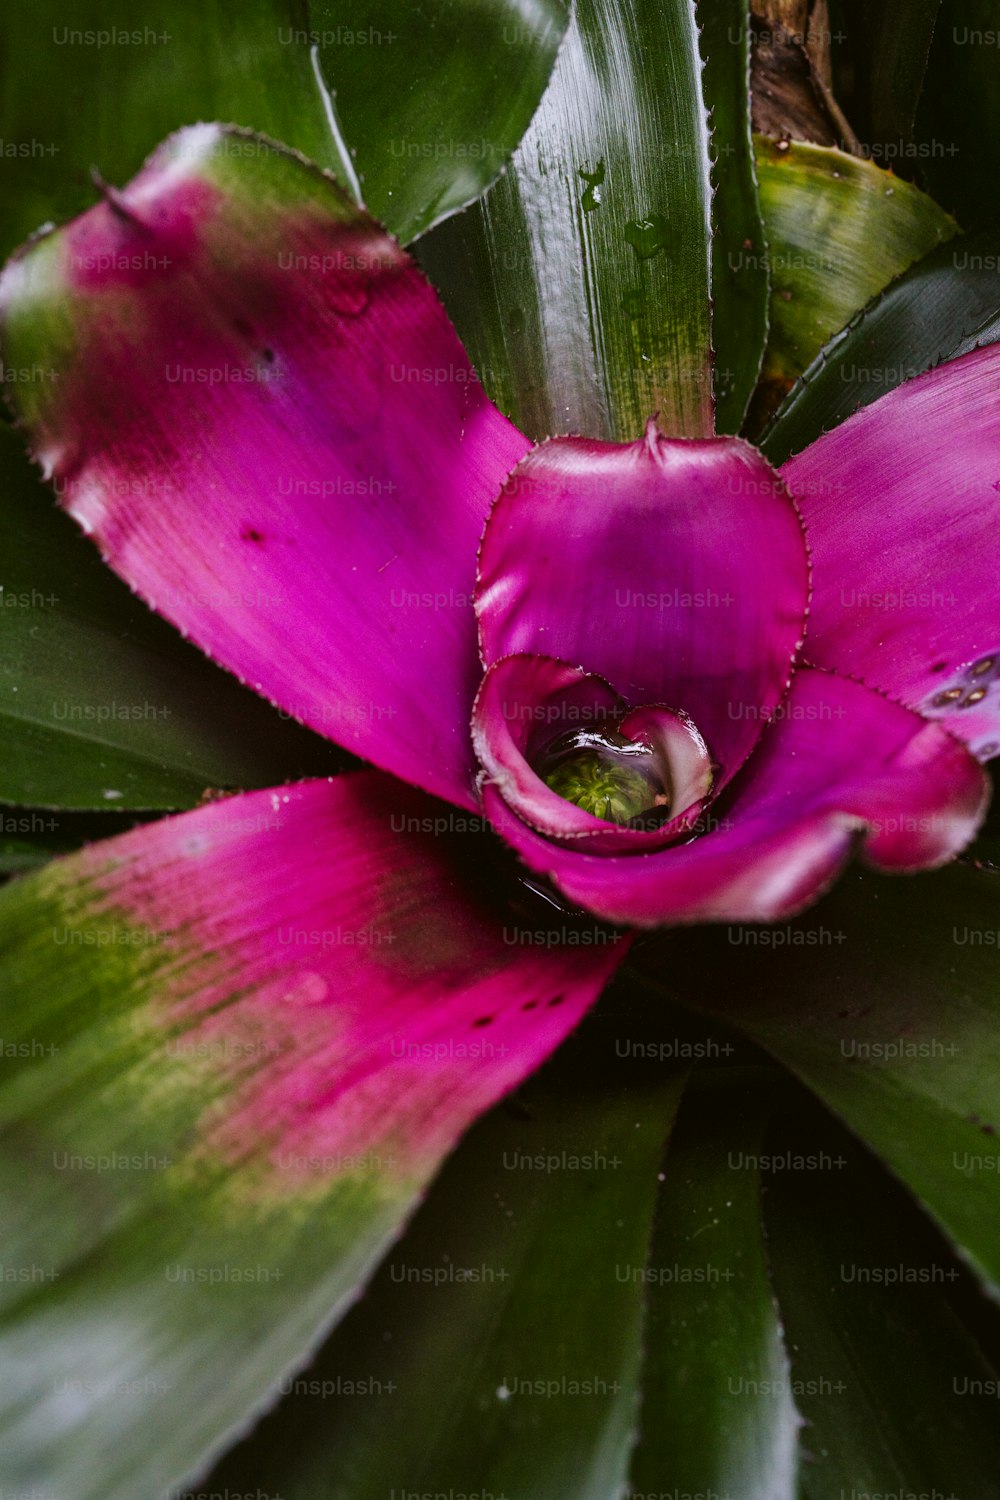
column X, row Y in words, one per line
column 901, row 504
column 266, row 421
column 839, row 765
column 674, row 569
column 357, row 936
column 684, row 751
column 526, row 702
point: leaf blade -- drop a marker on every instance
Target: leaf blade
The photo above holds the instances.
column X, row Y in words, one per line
column 838, row 230
column 740, row 274
column 711, row 1309
column 890, row 1031
column 99, row 696
column 580, row 283
column 433, row 115
column 924, row 317
column 459, row 1361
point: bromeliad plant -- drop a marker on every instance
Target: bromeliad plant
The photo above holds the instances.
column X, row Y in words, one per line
column 629, row 679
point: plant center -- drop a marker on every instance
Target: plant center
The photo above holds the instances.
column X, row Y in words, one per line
column 612, row 777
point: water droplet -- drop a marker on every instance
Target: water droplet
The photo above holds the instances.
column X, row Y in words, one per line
column 592, row 192
column 647, row 236
column 308, row 989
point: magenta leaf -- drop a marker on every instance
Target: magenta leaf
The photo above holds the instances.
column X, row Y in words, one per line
column 266, row 422
column 237, row 1043
column 900, row 504
column 675, row 569
column 838, row 767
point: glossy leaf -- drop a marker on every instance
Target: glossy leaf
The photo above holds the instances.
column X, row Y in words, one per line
column 740, row 279
column 580, row 283
column 838, row 230
column 434, row 106
column 98, row 85
column 894, row 1026
column 235, row 1046
column 718, row 1415
column 331, row 389
column 988, row 332
column 881, row 1327
column 929, row 314
column 501, row 1342
column 102, row 705
column 898, row 503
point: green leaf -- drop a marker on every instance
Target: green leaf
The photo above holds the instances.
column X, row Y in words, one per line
column 988, row 332
column 958, row 126
column 501, row 1344
column 883, row 1000
column 132, row 1262
column 102, row 705
column 580, row 283
column 99, row 85
column 436, row 106
column 406, row 75
column 740, row 280
column 924, row 317
column 881, row 1325
column 889, row 45
column 838, row 230
column 31, row 836
column 712, row 1316
column 211, row 1132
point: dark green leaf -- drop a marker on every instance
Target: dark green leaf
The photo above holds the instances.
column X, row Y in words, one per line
column 499, row 1349
column 959, row 120
column 580, row 283
column 924, row 317
column 718, row 1416
column 740, row 281
column 884, row 1001
column 988, row 332
column 435, row 106
column 102, row 705
column 884, row 1369
column 889, row 44
column 100, row 84
column 31, row 836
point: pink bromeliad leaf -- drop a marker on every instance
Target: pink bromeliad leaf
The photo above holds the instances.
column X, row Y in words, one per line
column 900, row 504
column 232, row 329
column 527, row 701
column 674, row 569
column 237, row 340
column 237, row 1044
column 839, row 766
